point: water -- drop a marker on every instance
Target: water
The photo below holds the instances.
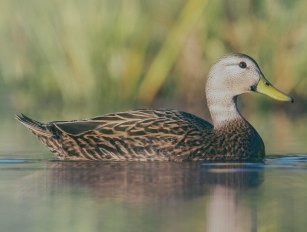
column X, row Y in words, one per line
column 48, row 195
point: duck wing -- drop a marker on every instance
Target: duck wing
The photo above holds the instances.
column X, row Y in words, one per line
column 144, row 121
column 130, row 135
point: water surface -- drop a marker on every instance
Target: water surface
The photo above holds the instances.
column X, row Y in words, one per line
column 48, row 195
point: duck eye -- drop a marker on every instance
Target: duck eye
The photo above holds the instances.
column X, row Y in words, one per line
column 242, row 64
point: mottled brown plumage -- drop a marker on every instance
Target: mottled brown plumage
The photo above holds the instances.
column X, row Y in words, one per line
column 169, row 135
column 151, row 135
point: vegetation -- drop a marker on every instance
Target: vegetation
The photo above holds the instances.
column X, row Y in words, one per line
column 74, row 58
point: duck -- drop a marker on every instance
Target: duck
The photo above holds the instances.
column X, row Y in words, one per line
column 168, row 134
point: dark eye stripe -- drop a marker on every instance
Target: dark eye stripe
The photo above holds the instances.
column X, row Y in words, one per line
column 242, row 64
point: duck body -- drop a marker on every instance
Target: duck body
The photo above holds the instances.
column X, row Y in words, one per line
column 148, row 135
column 169, row 135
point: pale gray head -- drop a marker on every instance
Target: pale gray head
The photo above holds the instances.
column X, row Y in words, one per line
column 231, row 76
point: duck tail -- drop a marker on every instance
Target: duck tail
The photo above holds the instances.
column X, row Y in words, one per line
column 36, row 127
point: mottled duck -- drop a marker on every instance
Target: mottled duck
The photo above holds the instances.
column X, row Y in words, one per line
column 170, row 135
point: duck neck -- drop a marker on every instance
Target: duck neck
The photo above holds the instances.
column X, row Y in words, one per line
column 223, row 109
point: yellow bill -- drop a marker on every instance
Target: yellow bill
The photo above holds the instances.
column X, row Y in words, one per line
column 266, row 88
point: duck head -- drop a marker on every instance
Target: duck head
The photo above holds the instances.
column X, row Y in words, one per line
column 233, row 75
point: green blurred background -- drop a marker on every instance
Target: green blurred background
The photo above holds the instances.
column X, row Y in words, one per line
column 75, row 59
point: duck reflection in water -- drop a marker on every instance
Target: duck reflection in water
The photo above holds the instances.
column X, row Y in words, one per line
column 164, row 185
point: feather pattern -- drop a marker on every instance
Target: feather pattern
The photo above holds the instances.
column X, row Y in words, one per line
column 140, row 135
